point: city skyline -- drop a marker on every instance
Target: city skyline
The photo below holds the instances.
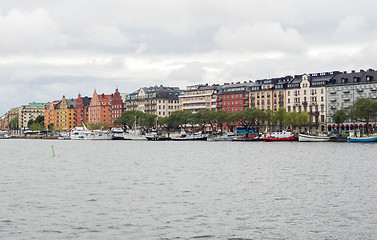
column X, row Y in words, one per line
column 52, row 49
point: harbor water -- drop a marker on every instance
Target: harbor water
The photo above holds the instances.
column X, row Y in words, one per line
column 187, row 190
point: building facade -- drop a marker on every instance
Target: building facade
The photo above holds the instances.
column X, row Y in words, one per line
column 344, row 89
column 158, row 100
column 50, row 110
column 199, row 97
column 307, row 92
column 81, row 110
column 269, row 94
column 233, row 97
column 30, row 111
column 99, row 110
column 65, row 116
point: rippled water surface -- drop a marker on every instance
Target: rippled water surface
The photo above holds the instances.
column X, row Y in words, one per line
column 190, row 190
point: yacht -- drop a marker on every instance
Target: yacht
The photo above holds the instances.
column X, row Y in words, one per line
column 82, row 133
column 4, row 135
column 117, row 134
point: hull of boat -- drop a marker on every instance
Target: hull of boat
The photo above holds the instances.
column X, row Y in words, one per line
column 190, row 139
column 158, row 138
column 281, row 139
column 362, row 139
column 309, row 138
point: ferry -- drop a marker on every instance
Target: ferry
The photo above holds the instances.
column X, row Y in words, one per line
column 82, row 133
column 117, row 134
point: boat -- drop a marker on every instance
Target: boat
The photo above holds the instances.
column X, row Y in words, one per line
column 64, row 136
column 311, row 138
column 117, row 134
column 280, row 137
column 82, row 133
column 190, row 137
column 371, row 138
column 229, row 136
column 154, row 136
column 134, row 135
column 4, row 135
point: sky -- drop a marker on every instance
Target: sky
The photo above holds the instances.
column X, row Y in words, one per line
column 53, row 48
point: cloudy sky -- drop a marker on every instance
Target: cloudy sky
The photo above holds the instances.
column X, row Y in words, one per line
column 54, row 48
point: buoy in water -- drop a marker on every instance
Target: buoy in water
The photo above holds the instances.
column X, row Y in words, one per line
column 53, row 151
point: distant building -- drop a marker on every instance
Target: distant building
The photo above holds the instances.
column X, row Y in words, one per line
column 99, row 110
column 49, row 115
column 117, row 106
column 30, row 111
column 81, row 109
column 65, row 117
column 269, row 94
column 307, row 92
column 233, row 97
column 199, row 97
column 344, row 89
column 158, row 100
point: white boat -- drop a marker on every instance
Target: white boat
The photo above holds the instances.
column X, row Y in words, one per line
column 64, row 136
column 229, row 136
column 310, row 138
column 190, row 137
column 117, row 134
column 4, row 135
column 82, row 133
column 134, row 135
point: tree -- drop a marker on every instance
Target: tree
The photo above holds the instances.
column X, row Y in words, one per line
column 340, row 116
column 220, row 118
column 290, row 119
column 249, row 118
column 13, row 124
column 50, row 127
column 303, row 119
column 279, row 117
column 364, row 110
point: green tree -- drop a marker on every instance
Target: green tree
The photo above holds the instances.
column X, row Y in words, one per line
column 303, row 119
column 50, row 127
column 13, row 124
column 340, row 116
column 249, row 119
column 364, row 110
column 290, row 119
column 279, row 117
column 220, row 118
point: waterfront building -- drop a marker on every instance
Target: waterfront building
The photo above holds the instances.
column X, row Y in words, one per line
column 344, row 89
column 117, row 106
column 158, row 100
column 30, row 111
column 233, row 97
column 199, row 97
column 307, row 92
column 269, row 94
column 49, row 116
column 65, row 117
column 81, row 110
column 99, row 108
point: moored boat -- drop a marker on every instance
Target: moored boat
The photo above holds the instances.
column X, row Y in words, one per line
column 190, row 137
column 82, row 133
column 229, row 136
column 4, row 135
column 117, row 134
column 157, row 137
column 370, row 138
column 64, row 136
column 280, row 136
column 311, row 138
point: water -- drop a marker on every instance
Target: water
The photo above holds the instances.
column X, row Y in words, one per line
column 187, row 190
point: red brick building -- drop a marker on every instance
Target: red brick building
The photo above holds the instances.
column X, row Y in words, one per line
column 233, row 97
column 81, row 110
column 117, row 106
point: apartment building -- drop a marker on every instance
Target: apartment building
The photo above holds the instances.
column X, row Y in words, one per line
column 307, row 92
column 199, row 97
column 158, row 100
column 30, row 111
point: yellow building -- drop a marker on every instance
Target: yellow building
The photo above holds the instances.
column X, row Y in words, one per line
column 199, row 97
column 269, row 94
column 65, row 118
